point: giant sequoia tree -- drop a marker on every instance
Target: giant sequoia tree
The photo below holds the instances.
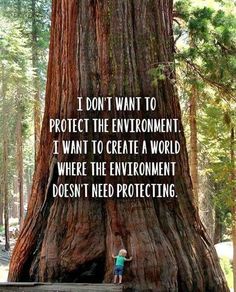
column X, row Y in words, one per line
column 107, row 48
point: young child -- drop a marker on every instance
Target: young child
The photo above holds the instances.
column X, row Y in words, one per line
column 119, row 264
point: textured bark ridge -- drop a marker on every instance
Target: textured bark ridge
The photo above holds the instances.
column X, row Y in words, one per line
column 107, row 48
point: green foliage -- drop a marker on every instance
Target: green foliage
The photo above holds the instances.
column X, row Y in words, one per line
column 199, row 23
column 22, row 32
column 157, row 74
column 16, row 77
column 15, row 56
column 206, row 60
column 210, row 47
column 228, row 270
column 182, row 9
column 161, row 72
column 22, row 12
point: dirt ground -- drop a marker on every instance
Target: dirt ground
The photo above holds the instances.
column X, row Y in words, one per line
column 4, row 259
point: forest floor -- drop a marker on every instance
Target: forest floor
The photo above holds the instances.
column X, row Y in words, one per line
column 5, row 255
column 60, row 287
column 4, row 261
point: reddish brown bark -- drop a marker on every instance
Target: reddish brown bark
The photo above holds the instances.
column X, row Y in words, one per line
column 101, row 48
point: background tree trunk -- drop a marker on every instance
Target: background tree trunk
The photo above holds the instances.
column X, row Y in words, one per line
column 218, row 229
column 5, row 163
column 193, row 142
column 37, row 105
column 15, row 198
column 206, row 206
column 20, row 171
column 1, row 203
column 107, row 48
column 233, row 178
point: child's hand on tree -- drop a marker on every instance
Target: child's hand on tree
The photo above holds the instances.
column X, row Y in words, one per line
column 129, row 259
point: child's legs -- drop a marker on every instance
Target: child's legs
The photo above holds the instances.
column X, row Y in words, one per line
column 118, row 273
column 120, row 279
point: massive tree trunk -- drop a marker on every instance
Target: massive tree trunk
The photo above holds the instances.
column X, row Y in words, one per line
column 107, row 48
